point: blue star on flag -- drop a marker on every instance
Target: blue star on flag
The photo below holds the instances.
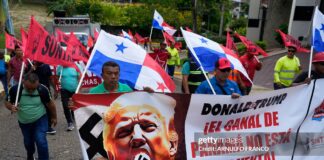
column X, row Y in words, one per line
column 322, row 27
column 203, row 40
column 121, row 47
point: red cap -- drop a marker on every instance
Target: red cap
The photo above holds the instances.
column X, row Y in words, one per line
column 224, row 63
column 319, row 57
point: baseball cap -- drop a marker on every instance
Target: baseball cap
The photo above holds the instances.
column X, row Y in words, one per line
column 224, row 63
column 319, row 57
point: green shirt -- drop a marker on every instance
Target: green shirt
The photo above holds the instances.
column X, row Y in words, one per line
column 101, row 88
column 186, row 68
column 31, row 107
column 70, row 78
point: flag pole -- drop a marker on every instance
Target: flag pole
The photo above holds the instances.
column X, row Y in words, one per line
column 88, row 63
column 202, row 68
column 151, row 33
column 310, row 61
column 19, row 82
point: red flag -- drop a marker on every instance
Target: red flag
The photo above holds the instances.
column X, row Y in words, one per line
column 131, row 35
column 24, row 38
column 230, row 43
column 61, row 36
column 168, row 38
column 188, row 29
column 160, row 57
column 90, row 42
column 43, row 47
column 178, row 45
column 249, row 44
column 76, row 49
column 96, row 34
column 139, row 38
column 10, row 41
column 291, row 41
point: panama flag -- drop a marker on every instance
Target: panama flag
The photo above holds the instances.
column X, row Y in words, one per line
column 207, row 52
column 159, row 23
column 137, row 69
column 318, row 31
column 126, row 35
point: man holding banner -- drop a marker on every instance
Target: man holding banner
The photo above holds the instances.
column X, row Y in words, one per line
column 220, row 82
column 318, row 72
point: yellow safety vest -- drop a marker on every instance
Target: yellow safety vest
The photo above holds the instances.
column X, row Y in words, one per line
column 174, row 56
column 285, row 70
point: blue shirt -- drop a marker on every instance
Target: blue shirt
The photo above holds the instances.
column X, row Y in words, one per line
column 70, row 78
column 186, row 68
column 229, row 87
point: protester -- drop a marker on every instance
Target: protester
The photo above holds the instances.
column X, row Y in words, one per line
column 32, row 117
column 235, row 76
column 173, row 60
column 69, row 82
column 251, row 63
column 14, row 67
column 3, row 72
column 43, row 71
column 192, row 76
column 110, row 76
column 220, row 82
column 318, row 72
column 285, row 69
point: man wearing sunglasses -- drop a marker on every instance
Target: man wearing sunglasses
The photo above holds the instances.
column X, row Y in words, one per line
column 318, row 72
column 285, row 69
column 220, row 82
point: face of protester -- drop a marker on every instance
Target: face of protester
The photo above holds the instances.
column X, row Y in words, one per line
column 133, row 131
column 29, row 86
column 110, row 75
column 18, row 52
column 222, row 74
column 319, row 67
column 172, row 45
column 291, row 52
column 162, row 46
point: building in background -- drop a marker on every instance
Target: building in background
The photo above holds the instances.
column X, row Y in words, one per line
column 265, row 16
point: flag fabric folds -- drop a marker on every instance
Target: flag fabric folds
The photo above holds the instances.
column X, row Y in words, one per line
column 207, row 52
column 249, row 44
column 24, row 38
column 230, row 43
column 126, row 35
column 43, row 47
column 318, row 31
column 76, row 49
column 159, row 23
column 10, row 41
column 137, row 69
column 168, row 38
column 291, row 41
column 139, row 38
column 61, row 36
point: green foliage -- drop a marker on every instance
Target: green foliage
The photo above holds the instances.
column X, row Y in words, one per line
column 283, row 28
column 241, row 48
column 220, row 40
column 261, row 44
column 237, row 24
column 241, row 31
column 62, row 5
column 2, row 41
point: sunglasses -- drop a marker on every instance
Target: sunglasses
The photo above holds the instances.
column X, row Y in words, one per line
column 225, row 70
column 290, row 50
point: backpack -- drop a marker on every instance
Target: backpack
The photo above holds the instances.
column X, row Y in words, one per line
column 42, row 90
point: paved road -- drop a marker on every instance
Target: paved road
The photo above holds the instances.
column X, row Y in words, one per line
column 63, row 146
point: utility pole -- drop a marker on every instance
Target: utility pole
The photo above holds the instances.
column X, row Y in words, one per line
column 221, row 20
column 194, row 15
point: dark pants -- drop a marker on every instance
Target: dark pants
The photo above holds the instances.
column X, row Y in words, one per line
column 36, row 133
column 248, row 90
column 65, row 96
column 276, row 86
column 3, row 79
column 171, row 70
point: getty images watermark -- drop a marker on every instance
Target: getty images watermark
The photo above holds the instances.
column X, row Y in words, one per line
column 232, row 145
